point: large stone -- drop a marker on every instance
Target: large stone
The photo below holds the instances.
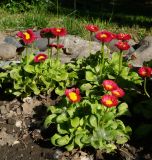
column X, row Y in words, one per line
column 13, row 41
column 7, row 51
column 144, row 52
column 74, row 47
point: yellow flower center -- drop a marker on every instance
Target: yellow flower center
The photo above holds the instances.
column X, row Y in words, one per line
column 27, row 35
column 108, row 86
column 73, row 96
column 58, row 30
column 40, row 57
column 103, row 36
column 143, row 73
column 109, row 102
column 116, row 93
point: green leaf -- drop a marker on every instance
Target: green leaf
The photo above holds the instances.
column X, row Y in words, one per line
column 34, row 87
column 121, row 139
column 44, row 81
column 115, row 58
column 124, row 72
column 3, row 74
column 81, row 122
column 61, row 118
column 54, row 138
column 86, row 86
column 95, row 142
column 75, row 122
column 14, row 74
column 49, row 119
column 29, row 68
column 71, row 111
column 122, row 109
column 78, row 140
column 63, row 140
column 108, row 116
column 70, row 147
column 90, row 76
column 93, row 121
column 17, row 93
column 62, row 128
column 110, row 147
column 60, row 91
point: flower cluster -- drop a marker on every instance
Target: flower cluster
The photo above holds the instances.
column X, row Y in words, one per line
column 73, row 94
column 122, row 44
column 92, row 28
column 53, row 32
column 40, row 57
column 28, row 36
column 145, row 71
column 111, row 100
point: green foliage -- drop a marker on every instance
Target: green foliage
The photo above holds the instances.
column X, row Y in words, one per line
column 29, row 78
column 87, row 123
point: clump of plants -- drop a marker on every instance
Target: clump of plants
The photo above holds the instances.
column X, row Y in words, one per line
column 92, row 90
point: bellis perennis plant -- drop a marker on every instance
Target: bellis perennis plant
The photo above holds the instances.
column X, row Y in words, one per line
column 84, row 121
column 92, row 90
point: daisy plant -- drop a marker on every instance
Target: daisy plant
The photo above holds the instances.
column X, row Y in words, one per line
column 90, row 120
column 145, row 72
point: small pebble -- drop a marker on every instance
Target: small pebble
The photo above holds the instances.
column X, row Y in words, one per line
column 18, row 124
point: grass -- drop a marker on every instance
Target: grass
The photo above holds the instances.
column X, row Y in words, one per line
column 36, row 17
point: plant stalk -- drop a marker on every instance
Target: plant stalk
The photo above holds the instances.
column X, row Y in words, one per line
column 120, row 61
column 145, row 90
column 102, row 57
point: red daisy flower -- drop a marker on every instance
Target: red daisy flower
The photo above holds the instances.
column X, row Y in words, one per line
column 109, row 100
column 56, row 46
column 104, row 36
column 113, row 35
column 92, row 28
column 123, row 36
column 122, row 45
column 109, row 85
column 40, row 57
column 46, row 33
column 28, row 36
column 73, row 94
column 145, row 71
column 119, row 92
column 59, row 32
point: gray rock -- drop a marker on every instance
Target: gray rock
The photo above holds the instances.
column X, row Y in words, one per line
column 8, row 62
column 7, row 51
column 74, row 47
column 13, row 41
column 144, row 52
column 3, row 109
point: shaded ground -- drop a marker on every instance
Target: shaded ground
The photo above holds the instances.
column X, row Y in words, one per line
column 22, row 137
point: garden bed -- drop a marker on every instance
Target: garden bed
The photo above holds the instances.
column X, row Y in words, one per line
column 26, row 138
column 82, row 110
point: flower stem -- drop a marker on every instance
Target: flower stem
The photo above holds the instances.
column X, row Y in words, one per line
column 26, row 54
column 145, row 88
column 57, row 47
column 90, row 44
column 120, row 61
column 102, row 57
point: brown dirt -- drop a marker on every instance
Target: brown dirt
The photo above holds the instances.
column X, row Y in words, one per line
column 24, row 137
